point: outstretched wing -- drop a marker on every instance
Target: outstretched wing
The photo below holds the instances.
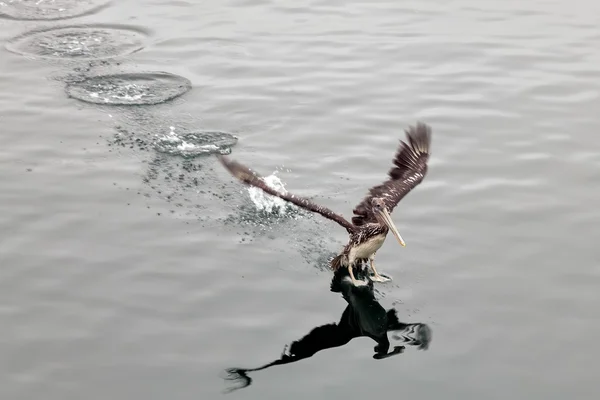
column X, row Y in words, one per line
column 245, row 175
column 410, row 167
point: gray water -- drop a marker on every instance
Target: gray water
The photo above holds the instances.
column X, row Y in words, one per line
column 129, row 273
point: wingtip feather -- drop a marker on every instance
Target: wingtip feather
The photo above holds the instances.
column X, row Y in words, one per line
column 419, row 137
column 238, row 170
column 417, row 149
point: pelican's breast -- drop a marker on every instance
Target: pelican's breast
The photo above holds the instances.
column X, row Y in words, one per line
column 367, row 247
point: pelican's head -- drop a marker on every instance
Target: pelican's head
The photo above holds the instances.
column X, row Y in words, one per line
column 383, row 216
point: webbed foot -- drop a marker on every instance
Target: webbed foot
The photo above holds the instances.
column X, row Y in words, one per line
column 380, row 278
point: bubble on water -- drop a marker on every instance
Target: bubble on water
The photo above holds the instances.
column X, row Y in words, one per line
column 194, row 144
column 49, row 9
column 129, row 88
column 80, row 42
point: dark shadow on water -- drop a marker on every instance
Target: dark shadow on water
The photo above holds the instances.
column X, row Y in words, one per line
column 363, row 317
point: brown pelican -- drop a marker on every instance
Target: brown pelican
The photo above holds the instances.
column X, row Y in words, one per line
column 371, row 221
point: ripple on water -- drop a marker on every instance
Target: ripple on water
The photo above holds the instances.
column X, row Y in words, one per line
column 194, row 144
column 129, row 88
column 86, row 42
column 49, row 9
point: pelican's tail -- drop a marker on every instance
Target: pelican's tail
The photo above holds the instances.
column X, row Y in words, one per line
column 338, row 262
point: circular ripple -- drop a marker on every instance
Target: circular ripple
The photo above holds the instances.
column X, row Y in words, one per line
column 194, row 144
column 49, row 9
column 129, row 89
column 79, row 42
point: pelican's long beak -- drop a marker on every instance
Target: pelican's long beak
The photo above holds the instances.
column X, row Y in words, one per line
column 385, row 215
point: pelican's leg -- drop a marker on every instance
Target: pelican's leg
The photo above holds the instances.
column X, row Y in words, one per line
column 351, row 262
column 376, row 277
column 354, row 280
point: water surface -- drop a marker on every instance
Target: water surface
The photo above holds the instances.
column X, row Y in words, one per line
column 128, row 273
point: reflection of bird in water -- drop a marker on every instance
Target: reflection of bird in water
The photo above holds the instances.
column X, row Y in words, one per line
column 363, row 316
column 372, row 221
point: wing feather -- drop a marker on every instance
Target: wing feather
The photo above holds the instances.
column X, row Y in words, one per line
column 410, row 167
column 245, row 175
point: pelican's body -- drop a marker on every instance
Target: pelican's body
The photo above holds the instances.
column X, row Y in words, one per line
column 365, row 243
column 371, row 222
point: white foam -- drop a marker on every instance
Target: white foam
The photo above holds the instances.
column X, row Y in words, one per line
column 265, row 202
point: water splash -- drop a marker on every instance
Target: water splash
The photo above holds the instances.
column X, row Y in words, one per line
column 190, row 145
column 271, row 204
